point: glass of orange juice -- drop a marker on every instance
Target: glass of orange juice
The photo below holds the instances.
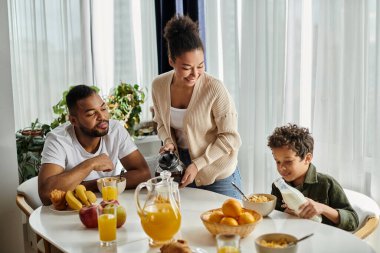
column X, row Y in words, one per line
column 228, row 243
column 109, row 189
column 107, row 224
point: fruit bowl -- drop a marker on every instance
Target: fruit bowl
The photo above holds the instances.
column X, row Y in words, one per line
column 121, row 183
column 217, row 228
column 267, row 243
column 262, row 203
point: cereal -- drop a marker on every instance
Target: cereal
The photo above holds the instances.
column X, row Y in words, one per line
column 282, row 243
column 258, row 198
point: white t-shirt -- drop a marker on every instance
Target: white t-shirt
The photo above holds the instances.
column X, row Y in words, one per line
column 63, row 148
column 176, row 122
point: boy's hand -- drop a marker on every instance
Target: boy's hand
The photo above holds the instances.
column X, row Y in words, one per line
column 288, row 210
column 310, row 208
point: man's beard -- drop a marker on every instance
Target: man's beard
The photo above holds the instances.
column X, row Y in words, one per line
column 94, row 132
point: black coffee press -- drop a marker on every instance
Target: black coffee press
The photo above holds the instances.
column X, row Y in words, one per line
column 169, row 161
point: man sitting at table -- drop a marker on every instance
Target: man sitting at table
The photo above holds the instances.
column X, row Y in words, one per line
column 292, row 149
column 88, row 147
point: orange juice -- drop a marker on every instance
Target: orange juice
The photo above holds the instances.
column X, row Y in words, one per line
column 160, row 222
column 228, row 249
column 107, row 227
column 109, row 193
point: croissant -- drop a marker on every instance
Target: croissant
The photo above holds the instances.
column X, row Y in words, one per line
column 180, row 246
column 57, row 198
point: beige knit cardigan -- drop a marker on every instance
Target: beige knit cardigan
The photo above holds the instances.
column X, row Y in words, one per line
column 210, row 124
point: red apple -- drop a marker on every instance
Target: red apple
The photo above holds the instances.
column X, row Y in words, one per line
column 104, row 203
column 88, row 216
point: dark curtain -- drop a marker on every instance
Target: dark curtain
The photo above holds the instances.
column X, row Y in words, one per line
column 165, row 10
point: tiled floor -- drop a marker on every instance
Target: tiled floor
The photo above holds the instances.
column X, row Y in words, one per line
column 29, row 239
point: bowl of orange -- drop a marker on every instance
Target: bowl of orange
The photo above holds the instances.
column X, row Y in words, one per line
column 231, row 218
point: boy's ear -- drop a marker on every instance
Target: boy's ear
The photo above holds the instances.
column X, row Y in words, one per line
column 308, row 157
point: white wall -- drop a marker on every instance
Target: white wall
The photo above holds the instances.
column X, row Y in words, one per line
column 11, row 236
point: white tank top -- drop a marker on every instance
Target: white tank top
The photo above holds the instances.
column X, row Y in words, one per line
column 176, row 122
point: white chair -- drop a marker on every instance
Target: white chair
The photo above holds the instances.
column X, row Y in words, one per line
column 27, row 200
column 368, row 212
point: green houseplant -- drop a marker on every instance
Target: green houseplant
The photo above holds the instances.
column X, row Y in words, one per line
column 30, row 142
column 125, row 105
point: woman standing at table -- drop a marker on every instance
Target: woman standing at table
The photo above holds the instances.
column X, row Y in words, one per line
column 195, row 114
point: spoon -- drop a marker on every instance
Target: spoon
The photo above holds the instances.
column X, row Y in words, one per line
column 241, row 192
column 301, row 239
column 121, row 173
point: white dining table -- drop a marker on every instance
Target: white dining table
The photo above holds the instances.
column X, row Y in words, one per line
column 66, row 232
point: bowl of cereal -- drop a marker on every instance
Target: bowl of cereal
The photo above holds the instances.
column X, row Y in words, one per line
column 262, row 203
column 276, row 243
column 120, row 182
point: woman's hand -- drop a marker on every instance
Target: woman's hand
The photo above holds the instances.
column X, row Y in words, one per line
column 167, row 147
column 190, row 173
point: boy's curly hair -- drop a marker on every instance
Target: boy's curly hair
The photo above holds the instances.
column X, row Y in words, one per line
column 294, row 137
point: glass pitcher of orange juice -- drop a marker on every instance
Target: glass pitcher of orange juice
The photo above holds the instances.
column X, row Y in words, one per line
column 160, row 213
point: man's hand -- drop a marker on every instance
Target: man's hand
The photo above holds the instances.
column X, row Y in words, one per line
column 190, row 173
column 53, row 176
column 167, row 147
column 101, row 162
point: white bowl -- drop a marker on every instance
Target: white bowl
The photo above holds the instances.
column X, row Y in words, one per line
column 263, row 208
column 121, row 183
column 276, row 237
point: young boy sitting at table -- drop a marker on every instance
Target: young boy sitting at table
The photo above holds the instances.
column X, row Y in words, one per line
column 292, row 149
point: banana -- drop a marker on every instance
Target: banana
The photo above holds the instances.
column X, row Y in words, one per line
column 72, row 201
column 91, row 196
column 80, row 191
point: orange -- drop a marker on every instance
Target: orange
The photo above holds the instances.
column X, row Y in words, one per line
column 246, row 218
column 232, row 208
column 229, row 221
column 216, row 216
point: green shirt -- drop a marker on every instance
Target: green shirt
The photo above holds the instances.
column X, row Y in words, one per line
column 326, row 190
